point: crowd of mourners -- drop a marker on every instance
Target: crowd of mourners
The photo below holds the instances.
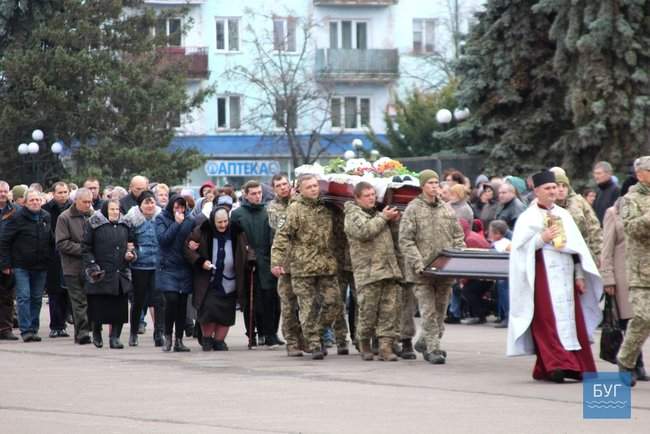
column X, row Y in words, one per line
column 282, row 255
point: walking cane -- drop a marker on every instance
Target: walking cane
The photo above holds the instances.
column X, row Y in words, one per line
column 251, row 332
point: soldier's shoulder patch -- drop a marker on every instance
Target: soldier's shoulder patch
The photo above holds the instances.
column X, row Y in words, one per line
column 281, row 221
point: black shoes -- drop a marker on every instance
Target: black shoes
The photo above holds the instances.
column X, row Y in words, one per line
column 133, row 340
column 436, row 357
column 85, row 340
column 8, row 335
column 207, row 343
column 179, row 347
column 317, row 354
column 557, row 376
column 189, row 329
column 452, row 320
column 168, row 343
column 407, row 352
column 97, row 339
column 114, row 343
column 58, row 334
column 220, row 346
column 31, row 337
column 158, row 340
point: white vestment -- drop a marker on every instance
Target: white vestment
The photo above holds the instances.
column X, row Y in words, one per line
column 559, row 266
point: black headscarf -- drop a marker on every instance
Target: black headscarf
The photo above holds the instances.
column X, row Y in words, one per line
column 104, row 208
column 175, row 198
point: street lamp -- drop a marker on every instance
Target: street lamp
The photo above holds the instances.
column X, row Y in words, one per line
column 444, row 116
column 33, row 148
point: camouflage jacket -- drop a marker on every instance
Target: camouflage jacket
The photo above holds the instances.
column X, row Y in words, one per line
column 277, row 212
column 585, row 217
column 426, row 228
column 341, row 246
column 635, row 212
column 306, row 239
column 371, row 245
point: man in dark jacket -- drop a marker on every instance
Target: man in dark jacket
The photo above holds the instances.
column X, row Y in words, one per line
column 136, row 187
column 26, row 250
column 69, row 235
column 253, row 220
column 7, row 290
column 57, row 296
column 607, row 192
column 510, row 207
column 93, row 185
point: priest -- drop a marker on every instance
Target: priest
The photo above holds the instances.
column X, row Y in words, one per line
column 554, row 289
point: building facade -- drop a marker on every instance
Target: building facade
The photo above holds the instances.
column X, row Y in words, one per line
column 352, row 57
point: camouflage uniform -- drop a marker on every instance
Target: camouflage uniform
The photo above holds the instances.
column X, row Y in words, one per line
column 636, row 222
column 344, row 277
column 406, row 308
column 585, row 217
column 376, row 271
column 277, row 212
column 306, row 242
column 425, row 230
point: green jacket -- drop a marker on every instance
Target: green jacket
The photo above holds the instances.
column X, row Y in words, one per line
column 307, row 239
column 371, row 245
column 635, row 212
column 254, row 221
column 425, row 230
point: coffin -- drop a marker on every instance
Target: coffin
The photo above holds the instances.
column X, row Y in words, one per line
column 339, row 192
column 469, row 263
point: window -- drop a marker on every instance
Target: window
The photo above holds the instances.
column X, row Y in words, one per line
column 286, row 113
column 424, row 35
column 227, row 34
column 350, row 112
column 349, row 34
column 229, row 112
column 284, row 34
column 171, row 28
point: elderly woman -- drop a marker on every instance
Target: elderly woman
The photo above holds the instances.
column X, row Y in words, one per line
column 174, row 273
column 107, row 248
column 215, row 294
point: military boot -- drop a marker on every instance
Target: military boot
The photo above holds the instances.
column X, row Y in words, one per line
column 293, row 351
column 407, row 350
column 386, row 350
column 366, row 351
column 436, row 357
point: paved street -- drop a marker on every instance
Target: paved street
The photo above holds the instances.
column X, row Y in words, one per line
column 58, row 387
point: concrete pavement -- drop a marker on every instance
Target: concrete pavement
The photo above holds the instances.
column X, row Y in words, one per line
column 58, row 387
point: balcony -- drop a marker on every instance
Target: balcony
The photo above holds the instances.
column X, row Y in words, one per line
column 353, row 3
column 195, row 60
column 357, row 66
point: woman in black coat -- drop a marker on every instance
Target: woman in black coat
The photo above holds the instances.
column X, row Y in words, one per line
column 214, row 275
column 107, row 249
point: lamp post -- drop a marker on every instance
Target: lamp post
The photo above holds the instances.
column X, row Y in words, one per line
column 358, row 152
column 445, row 116
column 33, row 148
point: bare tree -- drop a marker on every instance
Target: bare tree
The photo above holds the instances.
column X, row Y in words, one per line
column 284, row 99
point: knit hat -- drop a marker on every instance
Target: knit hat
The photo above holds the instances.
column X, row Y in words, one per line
column 145, row 195
column 18, row 192
column 642, row 163
column 561, row 178
column 426, row 175
column 481, row 179
column 206, row 184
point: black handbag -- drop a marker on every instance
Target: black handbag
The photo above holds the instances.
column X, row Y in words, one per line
column 611, row 336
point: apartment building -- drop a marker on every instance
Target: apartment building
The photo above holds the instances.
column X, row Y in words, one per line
column 361, row 54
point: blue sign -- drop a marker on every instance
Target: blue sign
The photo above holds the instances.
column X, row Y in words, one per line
column 606, row 395
column 242, row 167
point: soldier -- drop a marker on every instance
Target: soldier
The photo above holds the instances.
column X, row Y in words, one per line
column 636, row 222
column 376, row 270
column 428, row 226
column 306, row 242
column 345, row 279
column 583, row 214
column 277, row 211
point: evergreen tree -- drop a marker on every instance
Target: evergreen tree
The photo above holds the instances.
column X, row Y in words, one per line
column 557, row 83
column 410, row 133
column 93, row 76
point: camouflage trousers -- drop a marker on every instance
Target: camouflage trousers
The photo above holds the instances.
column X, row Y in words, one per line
column 291, row 329
column 319, row 300
column 378, row 309
column 407, row 313
column 638, row 329
column 433, row 299
column 340, row 325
